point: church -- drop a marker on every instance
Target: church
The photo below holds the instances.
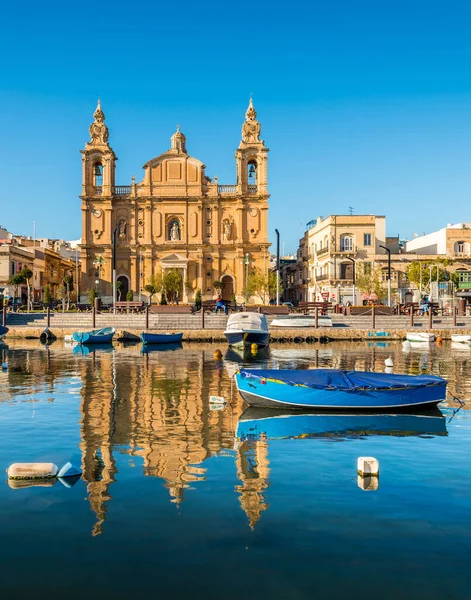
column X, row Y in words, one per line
column 176, row 217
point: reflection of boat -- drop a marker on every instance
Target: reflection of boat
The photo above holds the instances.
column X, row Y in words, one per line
column 460, row 346
column 160, row 338
column 148, row 348
column 256, row 423
column 420, row 336
column 245, row 329
column 95, row 336
column 84, row 349
column 461, row 338
column 295, row 321
column 335, row 389
column 244, row 355
column 3, row 331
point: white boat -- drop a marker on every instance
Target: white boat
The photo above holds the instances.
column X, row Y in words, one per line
column 420, row 336
column 246, row 329
column 461, row 338
column 295, row 321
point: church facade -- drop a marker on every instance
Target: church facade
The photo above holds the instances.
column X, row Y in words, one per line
column 176, row 217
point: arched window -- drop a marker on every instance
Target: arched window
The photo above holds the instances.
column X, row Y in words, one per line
column 98, row 174
column 252, row 172
column 462, row 248
column 346, row 242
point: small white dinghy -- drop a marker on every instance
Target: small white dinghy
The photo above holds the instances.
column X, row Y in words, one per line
column 295, row 321
column 461, row 338
column 420, row 336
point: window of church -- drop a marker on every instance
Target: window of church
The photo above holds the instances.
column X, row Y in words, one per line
column 252, row 172
column 98, row 174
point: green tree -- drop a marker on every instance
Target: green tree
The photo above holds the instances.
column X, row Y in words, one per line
column 172, row 284
column 119, row 289
column 130, row 296
column 27, row 274
column 68, row 281
column 163, row 299
column 16, row 280
column 198, row 300
column 218, row 286
column 47, row 296
column 154, row 286
column 91, row 293
column 368, row 279
column 422, row 272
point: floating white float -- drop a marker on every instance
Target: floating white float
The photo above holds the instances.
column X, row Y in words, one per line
column 367, row 465
column 217, row 400
column 32, row 471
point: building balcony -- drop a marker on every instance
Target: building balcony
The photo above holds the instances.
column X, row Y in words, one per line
column 345, row 251
column 462, row 254
column 322, row 277
column 227, row 189
column 323, row 251
column 121, row 190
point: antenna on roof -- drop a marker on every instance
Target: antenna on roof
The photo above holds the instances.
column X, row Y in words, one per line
column 350, row 210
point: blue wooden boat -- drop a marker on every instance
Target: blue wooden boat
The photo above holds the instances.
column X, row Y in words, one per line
column 328, row 389
column 95, row 336
column 267, row 423
column 161, row 338
column 3, row 331
column 149, row 348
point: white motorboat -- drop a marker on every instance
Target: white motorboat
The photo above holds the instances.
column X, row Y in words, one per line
column 301, row 321
column 461, row 338
column 246, row 329
column 420, row 336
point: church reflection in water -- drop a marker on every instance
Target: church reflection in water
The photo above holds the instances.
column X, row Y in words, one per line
column 155, row 407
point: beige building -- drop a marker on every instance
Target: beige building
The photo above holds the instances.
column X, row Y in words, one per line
column 330, row 249
column 176, row 217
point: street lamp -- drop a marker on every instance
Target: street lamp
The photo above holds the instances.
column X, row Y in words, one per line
column 353, row 277
column 277, row 267
column 246, row 263
column 389, row 273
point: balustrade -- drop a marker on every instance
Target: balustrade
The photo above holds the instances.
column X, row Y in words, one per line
column 122, row 190
column 227, row 189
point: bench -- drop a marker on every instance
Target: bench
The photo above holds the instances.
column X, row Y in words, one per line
column 274, row 310
column 129, row 306
column 308, row 307
column 210, row 306
column 173, row 309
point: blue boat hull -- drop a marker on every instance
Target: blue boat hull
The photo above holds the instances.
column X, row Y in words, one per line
column 161, row 338
column 269, row 393
column 245, row 339
column 149, row 348
column 3, row 331
column 258, row 423
column 97, row 336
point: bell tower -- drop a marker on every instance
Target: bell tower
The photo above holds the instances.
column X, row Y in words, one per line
column 98, row 160
column 251, row 156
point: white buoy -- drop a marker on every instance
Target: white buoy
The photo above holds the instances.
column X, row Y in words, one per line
column 388, row 369
column 32, row 471
column 217, row 400
column 389, row 362
column 367, row 465
column 217, row 406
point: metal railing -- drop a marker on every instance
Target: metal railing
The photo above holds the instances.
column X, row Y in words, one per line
column 323, row 251
column 121, row 190
column 227, row 189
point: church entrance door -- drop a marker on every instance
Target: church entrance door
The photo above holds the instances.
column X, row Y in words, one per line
column 228, row 288
column 124, row 289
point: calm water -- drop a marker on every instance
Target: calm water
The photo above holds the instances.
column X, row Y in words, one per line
column 172, row 504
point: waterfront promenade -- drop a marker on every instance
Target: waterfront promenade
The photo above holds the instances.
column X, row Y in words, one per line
column 128, row 325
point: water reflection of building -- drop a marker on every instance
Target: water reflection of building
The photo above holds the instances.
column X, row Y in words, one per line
column 155, row 407
column 252, row 469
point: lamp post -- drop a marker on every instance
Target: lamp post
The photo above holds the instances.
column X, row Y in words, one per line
column 277, row 267
column 115, row 232
column 389, row 273
column 353, row 277
column 246, row 263
column 98, row 264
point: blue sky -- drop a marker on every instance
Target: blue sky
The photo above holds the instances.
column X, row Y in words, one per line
column 363, row 104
